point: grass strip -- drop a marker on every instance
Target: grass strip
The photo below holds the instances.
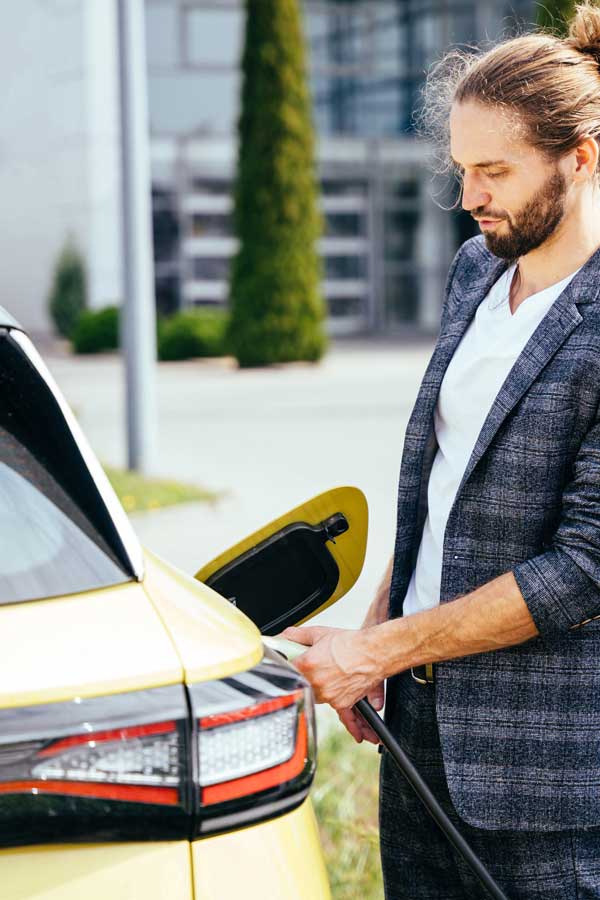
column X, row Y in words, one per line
column 345, row 797
column 138, row 493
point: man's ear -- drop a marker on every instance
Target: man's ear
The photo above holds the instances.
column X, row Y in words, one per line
column 586, row 158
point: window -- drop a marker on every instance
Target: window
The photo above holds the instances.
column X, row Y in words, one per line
column 337, row 187
column 212, row 185
column 345, row 225
column 342, row 307
column 212, row 225
column 165, row 227
column 401, row 297
column 400, row 230
column 56, row 534
column 211, row 268
column 340, row 267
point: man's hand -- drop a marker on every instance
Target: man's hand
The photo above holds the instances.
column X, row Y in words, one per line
column 341, row 665
column 354, row 722
column 377, row 613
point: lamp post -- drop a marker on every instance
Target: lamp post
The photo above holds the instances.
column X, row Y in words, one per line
column 138, row 313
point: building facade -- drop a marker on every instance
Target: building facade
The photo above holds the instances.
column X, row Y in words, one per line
column 387, row 244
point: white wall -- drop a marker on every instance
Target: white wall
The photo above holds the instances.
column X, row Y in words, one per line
column 58, row 149
column 103, row 153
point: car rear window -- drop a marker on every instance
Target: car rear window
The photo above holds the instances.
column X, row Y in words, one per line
column 56, row 533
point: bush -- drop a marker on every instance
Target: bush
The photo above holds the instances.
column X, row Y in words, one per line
column 68, row 295
column 97, row 331
column 191, row 334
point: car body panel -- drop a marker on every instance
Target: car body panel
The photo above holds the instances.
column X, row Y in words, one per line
column 213, row 639
column 279, row 860
column 136, row 871
column 99, row 642
column 348, row 549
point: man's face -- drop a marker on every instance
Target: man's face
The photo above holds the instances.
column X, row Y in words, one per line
column 517, row 196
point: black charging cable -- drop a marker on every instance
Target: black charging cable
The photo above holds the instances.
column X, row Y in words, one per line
column 426, row 797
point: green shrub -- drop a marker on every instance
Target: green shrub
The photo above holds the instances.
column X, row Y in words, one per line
column 195, row 333
column 277, row 309
column 68, row 294
column 97, row 331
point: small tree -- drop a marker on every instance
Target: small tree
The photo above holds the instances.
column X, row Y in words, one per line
column 276, row 306
column 68, row 295
column 555, row 15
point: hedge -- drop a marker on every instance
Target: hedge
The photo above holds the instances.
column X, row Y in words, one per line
column 194, row 333
column 97, row 331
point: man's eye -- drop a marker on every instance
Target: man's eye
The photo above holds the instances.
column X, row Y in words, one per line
column 495, row 174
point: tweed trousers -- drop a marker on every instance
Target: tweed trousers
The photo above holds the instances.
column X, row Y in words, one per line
column 417, row 860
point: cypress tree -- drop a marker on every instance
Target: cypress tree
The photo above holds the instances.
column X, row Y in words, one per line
column 555, row 15
column 277, row 309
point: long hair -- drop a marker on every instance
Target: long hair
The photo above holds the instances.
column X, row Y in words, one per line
column 552, row 84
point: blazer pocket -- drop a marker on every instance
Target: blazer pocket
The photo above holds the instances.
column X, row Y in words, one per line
column 546, row 414
column 547, row 403
column 540, row 428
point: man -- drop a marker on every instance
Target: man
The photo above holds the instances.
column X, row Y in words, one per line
column 487, row 623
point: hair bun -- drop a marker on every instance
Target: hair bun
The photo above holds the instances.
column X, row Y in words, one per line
column 584, row 30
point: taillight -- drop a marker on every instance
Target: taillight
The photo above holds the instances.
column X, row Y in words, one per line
column 163, row 764
column 109, row 768
column 140, row 763
column 255, row 734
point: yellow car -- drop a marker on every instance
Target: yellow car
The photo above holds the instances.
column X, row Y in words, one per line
column 152, row 744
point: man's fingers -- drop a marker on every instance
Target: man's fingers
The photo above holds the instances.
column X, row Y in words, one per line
column 349, row 719
column 376, row 696
column 367, row 732
column 357, row 726
column 305, row 635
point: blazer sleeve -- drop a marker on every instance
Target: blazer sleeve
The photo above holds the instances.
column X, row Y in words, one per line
column 561, row 586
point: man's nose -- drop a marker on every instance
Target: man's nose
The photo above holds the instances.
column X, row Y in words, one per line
column 473, row 196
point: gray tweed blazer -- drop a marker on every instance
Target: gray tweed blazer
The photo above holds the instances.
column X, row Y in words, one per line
column 520, row 727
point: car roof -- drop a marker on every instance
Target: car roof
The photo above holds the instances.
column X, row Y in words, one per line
column 8, row 321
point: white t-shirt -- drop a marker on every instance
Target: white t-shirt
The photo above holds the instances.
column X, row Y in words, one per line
column 480, row 364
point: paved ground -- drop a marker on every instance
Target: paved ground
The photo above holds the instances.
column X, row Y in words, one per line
column 269, row 438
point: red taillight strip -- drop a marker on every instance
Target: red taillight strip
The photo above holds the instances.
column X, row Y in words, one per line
column 261, row 781
column 129, row 792
column 249, row 712
column 116, row 734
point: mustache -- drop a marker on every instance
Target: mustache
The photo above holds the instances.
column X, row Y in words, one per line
column 482, row 214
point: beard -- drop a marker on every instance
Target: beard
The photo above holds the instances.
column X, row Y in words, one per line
column 532, row 225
